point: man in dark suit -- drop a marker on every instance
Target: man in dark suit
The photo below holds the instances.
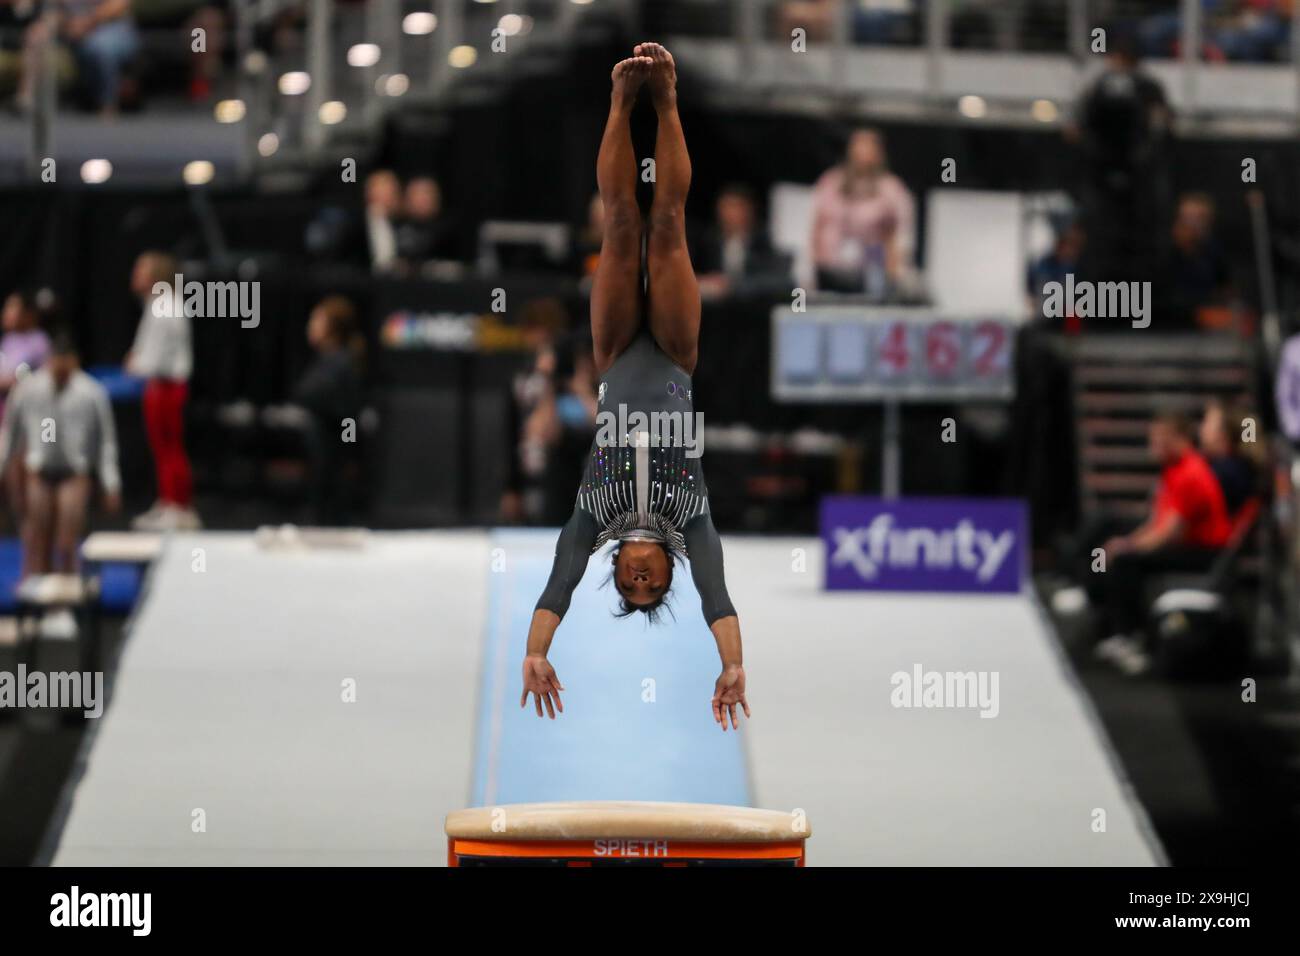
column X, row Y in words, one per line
column 735, row 251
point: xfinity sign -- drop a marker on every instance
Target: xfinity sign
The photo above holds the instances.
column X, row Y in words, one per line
column 924, row 544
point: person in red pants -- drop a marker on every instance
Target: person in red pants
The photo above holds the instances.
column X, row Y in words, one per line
column 163, row 356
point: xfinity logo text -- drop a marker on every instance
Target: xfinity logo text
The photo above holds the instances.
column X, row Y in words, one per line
column 923, row 544
column 880, row 543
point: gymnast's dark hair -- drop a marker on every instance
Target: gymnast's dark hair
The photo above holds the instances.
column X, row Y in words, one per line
column 652, row 610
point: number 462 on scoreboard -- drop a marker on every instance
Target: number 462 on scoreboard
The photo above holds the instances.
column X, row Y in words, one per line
column 847, row 353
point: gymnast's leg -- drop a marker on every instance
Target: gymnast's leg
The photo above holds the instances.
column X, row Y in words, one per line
column 616, row 291
column 674, row 294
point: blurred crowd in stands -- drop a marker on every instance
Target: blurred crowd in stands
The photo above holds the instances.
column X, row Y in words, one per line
column 1125, row 225
column 108, row 52
column 106, row 49
column 1232, row 30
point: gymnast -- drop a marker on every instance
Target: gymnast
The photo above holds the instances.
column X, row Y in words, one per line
column 643, row 488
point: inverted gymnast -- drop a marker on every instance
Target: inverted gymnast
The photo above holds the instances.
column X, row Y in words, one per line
column 643, row 493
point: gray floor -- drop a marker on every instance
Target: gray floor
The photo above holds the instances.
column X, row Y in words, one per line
column 228, row 700
column 892, row 786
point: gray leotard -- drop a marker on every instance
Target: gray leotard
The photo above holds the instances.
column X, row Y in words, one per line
column 643, row 474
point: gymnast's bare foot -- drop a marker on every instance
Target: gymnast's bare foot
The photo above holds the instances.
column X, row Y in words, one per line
column 627, row 77
column 663, row 73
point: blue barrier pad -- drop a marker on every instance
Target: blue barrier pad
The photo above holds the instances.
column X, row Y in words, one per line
column 121, row 386
column 120, row 584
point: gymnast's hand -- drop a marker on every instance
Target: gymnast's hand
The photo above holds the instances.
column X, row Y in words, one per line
column 540, row 681
column 727, row 693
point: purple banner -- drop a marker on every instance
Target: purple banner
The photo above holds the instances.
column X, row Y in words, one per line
column 924, row 544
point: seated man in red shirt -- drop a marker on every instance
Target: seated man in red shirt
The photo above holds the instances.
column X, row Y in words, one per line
column 1188, row 525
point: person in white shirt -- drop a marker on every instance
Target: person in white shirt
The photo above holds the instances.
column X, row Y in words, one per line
column 162, row 355
column 383, row 209
column 63, row 421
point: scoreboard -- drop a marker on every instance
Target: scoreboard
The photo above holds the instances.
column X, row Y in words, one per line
column 874, row 353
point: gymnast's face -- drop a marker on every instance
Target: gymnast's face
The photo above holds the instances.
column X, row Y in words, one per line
column 641, row 572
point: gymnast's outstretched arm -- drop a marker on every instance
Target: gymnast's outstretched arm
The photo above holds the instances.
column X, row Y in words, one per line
column 705, row 550
column 571, row 553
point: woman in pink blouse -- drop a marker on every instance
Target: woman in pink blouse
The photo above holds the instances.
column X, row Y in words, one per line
column 863, row 229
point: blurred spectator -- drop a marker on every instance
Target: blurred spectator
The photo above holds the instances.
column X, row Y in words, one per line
column 1194, row 271
column 163, row 356
column 1063, row 260
column 211, row 19
column 553, row 413
column 873, row 22
column 103, row 38
column 814, row 17
column 330, row 390
column 23, row 349
column 1121, row 131
column 1247, row 30
column 863, row 221
column 424, row 233
column 587, row 240
column 735, row 248
column 383, row 211
column 63, row 419
column 1220, row 436
column 24, row 344
column 881, row 22
column 1286, row 390
column 1188, row 525
column 1252, row 30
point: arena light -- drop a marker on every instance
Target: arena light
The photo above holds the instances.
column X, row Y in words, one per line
column 333, row 112
column 393, row 84
column 363, row 54
column 510, row 25
column 462, row 57
column 419, row 24
column 295, row 83
column 96, row 171
column 267, row 144
column 229, row 111
column 1044, row 111
column 972, row 107
column 580, row 3
column 198, row 173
